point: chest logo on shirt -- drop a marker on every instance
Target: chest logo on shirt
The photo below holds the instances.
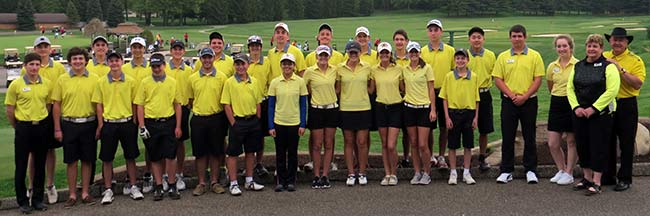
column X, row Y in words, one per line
column 599, row 64
column 510, row 61
column 27, row 89
column 556, row 70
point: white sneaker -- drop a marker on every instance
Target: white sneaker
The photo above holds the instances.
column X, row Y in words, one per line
column 384, row 181
column 392, row 180
column 433, row 160
column 147, row 184
column 333, row 167
column 180, row 184
column 52, row 195
column 504, row 178
column 565, row 179
column 309, row 166
column 165, row 182
column 453, row 179
column 425, row 179
column 351, row 180
column 467, row 178
column 557, row 176
column 234, row 190
column 253, row 186
column 108, row 197
column 531, row 178
column 363, row 180
column 126, row 190
column 135, row 193
column 416, row 178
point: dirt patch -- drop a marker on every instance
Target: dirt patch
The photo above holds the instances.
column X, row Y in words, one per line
column 626, row 24
column 593, row 27
column 545, row 35
column 637, row 29
column 489, row 30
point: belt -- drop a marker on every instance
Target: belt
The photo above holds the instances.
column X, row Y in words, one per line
column 122, row 120
column 265, row 98
column 79, row 120
column 245, row 117
column 532, row 96
column 327, row 106
column 416, row 106
column 483, row 90
column 209, row 115
column 625, row 99
column 389, row 105
column 30, row 122
column 160, row 119
column 460, row 111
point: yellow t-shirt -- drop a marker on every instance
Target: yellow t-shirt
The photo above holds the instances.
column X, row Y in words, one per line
column 30, row 99
column 634, row 65
column 242, row 95
column 75, row 94
column 559, row 76
column 137, row 72
column 287, row 94
column 157, row 97
column 354, row 86
column 274, row 55
column 482, row 64
column 116, row 96
column 52, row 70
column 261, row 71
column 206, row 90
column 224, row 64
column 441, row 59
column 369, row 57
column 387, row 83
column 98, row 68
column 518, row 70
column 181, row 73
column 461, row 92
column 416, row 82
column 335, row 59
column 321, row 85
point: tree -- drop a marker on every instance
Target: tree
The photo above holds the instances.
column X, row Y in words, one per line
column 114, row 15
column 25, row 16
column 50, row 6
column 312, row 11
column 347, row 8
column 214, row 12
column 8, row 6
column 366, row 7
column 296, row 9
column 94, row 10
column 278, row 10
column 71, row 12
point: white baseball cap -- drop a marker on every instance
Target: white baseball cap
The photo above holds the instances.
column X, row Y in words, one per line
column 40, row 40
column 323, row 49
column 434, row 22
column 384, row 46
column 413, row 45
column 288, row 56
column 282, row 25
column 362, row 30
column 138, row 40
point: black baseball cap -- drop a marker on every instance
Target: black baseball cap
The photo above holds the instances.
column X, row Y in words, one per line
column 178, row 43
column 157, row 59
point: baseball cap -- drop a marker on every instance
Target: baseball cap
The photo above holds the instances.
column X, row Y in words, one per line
column 324, row 26
column 254, row 39
column 99, row 38
column 114, row 54
column 157, row 59
column 384, row 46
column 282, row 25
column 362, row 30
column 240, row 57
column 323, row 49
column 462, row 52
column 138, row 40
column 178, row 43
column 216, row 35
column 288, row 56
column 413, row 45
column 42, row 39
column 206, row 51
column 353, row 46
column 475, row 30
column 434, row 22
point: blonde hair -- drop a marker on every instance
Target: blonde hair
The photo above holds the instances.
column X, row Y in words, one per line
column 595, row 38
column 566, row 37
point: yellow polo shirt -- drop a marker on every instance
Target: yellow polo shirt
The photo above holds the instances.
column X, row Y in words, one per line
column 518, row 69
column 98, row 68
column 181, row 73
column 51, row 71
column 354, row 86
column 30, row 99
column 137, row 72
column 224, row 64
column 335, row 59
column 261, row 71
column 404, row 62
column 634, row 65
column 205, row 89
column 242, row 95
column 75, row 94
column 369, row 57
column 387, row 83
column 482, row 64
column 274, row 55
column 321, row 84
column 416, row 84
column 116, row 96
column 157, row 96
column 287, row 94
column 559, row 76
column 461, row 92
column 441, row 59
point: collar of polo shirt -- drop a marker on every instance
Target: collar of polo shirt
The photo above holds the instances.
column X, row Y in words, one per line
column 457, row 76
column 110, row 78
column 479, row 53
column 27, row 81
column 525, row 52
column 144, row 64
column 441, row 46
column 212, row 73
column 72, row 73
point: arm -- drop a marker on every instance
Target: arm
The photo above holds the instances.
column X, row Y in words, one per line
column 140, row 116
column 100, row 119
column 56, row 115
column 179, row 115
column 432, row 98
column 629, row 78
column 501, row 85
column 549, row 83
column 271, row 115
column 448, row 121
column 258, row 110
column 337, row 87
column 537, row 81
column 11, row 115
column 371, row 86
column 402, row 88
column 571, row 96
column 475, row 120
column 613, row 83
column 229, row 114
column 303, row 114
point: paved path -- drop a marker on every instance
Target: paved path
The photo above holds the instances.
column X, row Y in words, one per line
column 485, row 198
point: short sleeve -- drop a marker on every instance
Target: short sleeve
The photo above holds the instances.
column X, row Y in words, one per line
column 225, row 94
column 57, row 91
column 303, row 88
column 140, row 94
column 539, row 66
column 12, row 95
column 272, row 87
column 428, row 71
column 97, row 94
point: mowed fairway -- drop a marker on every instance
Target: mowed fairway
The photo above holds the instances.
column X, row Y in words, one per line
column 540, row 31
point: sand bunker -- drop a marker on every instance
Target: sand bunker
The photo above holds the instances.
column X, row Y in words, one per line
column 489, row 30
column 545, row 35
column 637, row 29
column 625, row 24
column 596, row 26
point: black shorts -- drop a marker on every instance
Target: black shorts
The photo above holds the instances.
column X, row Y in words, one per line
column 209, row 134
column 49, row 139
column 373, row 102
column 485, row 114
column 355, row 120
column 322, row 118
column 162, row 143
column 185, row 127
column 418, row 117
column 246, row 133
column 264, row 121
column 124, row 133
column 79, row 141
column 559, row 115
column 440, row 112
column 462, row 127
column 389, row 115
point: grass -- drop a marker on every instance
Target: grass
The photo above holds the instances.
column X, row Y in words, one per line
column 381, row 26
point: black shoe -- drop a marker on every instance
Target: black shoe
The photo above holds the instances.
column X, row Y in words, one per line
column 173, row 192
column 291, row 187
column 279, row 188
column 26, row 209
column 582, row 185
column 622, row 186
column 482, row 165
column 260, row 170
column 325, row 182
column 39, row 206
column 405, row 164
column 158, row 193
column 316, row 183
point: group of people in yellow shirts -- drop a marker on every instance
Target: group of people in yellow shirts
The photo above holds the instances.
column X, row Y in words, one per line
column 244, row 97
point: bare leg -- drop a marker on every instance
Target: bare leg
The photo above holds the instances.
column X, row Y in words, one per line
column 315, row 145
column 329, row 149
column 572, row 154
column 180, row 157
column 108, row 177
column 131, row 169
column 423, row 138
column 392, row 150
column 49, row 166
column 349, row 148
column 215, row 163
column 415, row 149
column 171, row 170
column 467, row 156
column 201, row 165
column 362, row 143
column 554, row 140
column 71, row 173
column 250, row 164
column 86, row 174
column 232, row 167
column 383, row 133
